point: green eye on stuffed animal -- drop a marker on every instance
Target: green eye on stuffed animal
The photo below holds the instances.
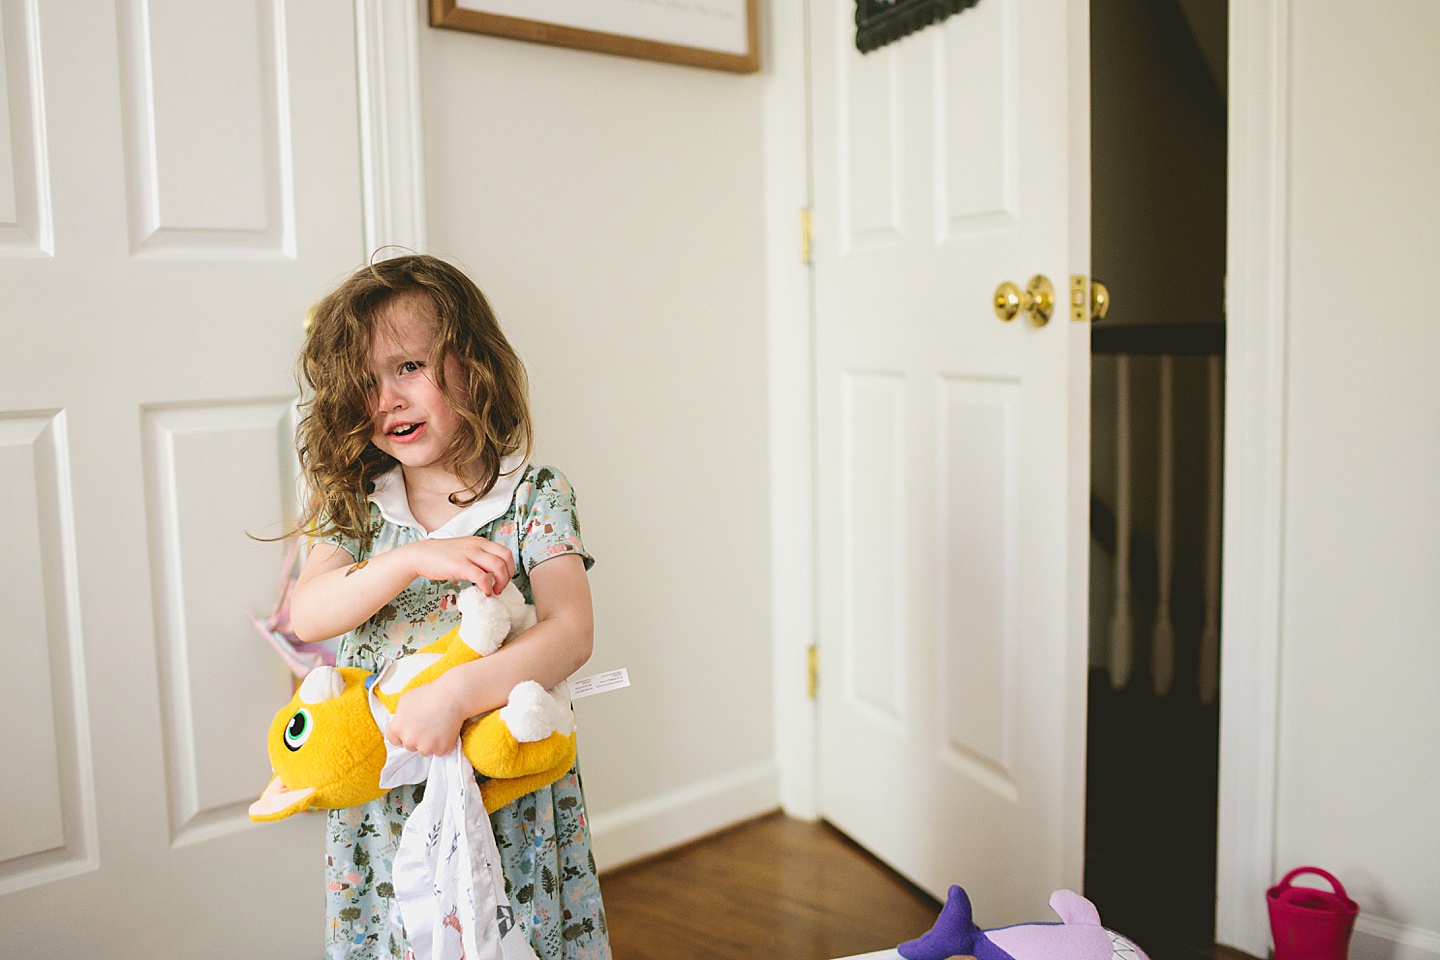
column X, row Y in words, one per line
column 328, row 749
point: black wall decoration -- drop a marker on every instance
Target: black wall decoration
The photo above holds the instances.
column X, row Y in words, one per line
column 878, row 22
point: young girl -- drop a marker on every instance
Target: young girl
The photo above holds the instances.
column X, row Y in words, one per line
column 415, row 440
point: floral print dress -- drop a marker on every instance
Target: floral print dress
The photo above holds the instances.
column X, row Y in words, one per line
column 543, row 837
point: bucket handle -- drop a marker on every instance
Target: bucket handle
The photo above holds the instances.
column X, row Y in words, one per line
column 1335, row 884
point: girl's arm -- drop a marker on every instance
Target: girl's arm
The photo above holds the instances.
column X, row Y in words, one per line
column 428, row 718
column 334, row 593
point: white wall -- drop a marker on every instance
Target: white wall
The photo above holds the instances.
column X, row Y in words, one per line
column 612, row 210
column 1358, row 787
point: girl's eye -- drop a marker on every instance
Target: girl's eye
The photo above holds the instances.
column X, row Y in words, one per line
column 411, row 366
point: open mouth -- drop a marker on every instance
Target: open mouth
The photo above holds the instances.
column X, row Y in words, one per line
column 405, row 430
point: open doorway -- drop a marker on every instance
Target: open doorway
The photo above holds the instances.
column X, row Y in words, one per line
column 1158, row 121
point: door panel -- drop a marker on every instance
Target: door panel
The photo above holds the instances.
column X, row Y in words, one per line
column 873, row 412
column 177, row 183
column 209, row 173
column 207, row 688
column 24, row 193
column 945, row 447
column 976, row 514
column 50, row 828
column 974, row 78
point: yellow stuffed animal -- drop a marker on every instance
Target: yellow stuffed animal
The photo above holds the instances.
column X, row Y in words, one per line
column 327, row 749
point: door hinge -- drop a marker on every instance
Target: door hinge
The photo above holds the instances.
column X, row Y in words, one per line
column 805, row 235
column 812, row 670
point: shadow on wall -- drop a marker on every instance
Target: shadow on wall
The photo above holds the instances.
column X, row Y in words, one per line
column 1157, row 163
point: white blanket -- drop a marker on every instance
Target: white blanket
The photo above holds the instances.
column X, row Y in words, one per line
column 447, row 870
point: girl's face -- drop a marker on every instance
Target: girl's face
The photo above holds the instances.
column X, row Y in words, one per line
column 412, row 421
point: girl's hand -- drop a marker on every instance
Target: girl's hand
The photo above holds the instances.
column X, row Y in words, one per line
column 484, row 563
column 427, row 719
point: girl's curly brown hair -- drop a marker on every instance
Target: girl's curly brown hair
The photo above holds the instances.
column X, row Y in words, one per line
column 337, row 459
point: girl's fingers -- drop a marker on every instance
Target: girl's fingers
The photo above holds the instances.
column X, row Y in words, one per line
column 495, row 569
column 497, row 560
column 482, row 579
column 493, row 549
column 420, row 746
column 484, row 563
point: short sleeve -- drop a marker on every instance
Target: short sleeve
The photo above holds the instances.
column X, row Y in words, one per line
column 349, row 544
column 549, row 524
column 344, row 541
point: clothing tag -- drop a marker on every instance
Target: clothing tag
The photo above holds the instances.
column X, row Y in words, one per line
column 599, row 683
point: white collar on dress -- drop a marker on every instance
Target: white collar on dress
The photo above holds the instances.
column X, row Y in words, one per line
column 394, row 505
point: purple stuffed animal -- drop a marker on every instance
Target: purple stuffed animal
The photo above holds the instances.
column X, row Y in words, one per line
column 1078, row 936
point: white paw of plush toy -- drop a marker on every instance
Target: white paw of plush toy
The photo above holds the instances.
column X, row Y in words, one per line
column 486, row 622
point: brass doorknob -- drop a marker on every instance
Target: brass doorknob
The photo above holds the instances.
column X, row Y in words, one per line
column 1037, row 300
column 1099, row 300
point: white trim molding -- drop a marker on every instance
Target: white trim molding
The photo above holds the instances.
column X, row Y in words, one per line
column 791, row 361
column 1256, row 314
column 392, row 167
column 661, row 823
column 1377, row 938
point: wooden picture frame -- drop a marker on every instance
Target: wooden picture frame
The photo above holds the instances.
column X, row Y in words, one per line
column 653, row 32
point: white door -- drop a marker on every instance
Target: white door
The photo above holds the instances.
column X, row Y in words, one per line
column 953, row 447
column 178, row 181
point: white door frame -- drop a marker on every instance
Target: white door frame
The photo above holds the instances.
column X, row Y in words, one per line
column 1256, row 306
column 791, row 357
column 392, row 168
column 1254, row 427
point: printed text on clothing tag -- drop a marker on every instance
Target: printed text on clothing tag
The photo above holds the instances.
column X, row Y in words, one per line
column 599, row 683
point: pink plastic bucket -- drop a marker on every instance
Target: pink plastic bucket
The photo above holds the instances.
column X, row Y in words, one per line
column 1310, row 924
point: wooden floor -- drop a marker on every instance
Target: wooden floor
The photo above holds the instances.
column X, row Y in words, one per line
column 772, row 889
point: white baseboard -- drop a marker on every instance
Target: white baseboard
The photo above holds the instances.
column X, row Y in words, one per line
column 1377, row 938
column 671, row 819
